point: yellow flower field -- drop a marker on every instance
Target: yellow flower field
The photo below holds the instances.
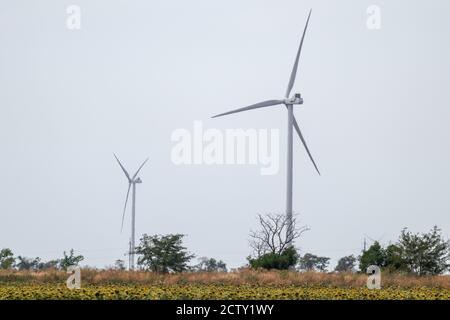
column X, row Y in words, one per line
column 240, row 285
column 213, row 291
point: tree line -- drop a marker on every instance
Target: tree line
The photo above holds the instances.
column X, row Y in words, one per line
column 272, row 248
column 413, row 253
column 8, row 261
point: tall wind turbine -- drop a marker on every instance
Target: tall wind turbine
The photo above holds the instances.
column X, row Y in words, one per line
column 289, row 102
column 132, row 181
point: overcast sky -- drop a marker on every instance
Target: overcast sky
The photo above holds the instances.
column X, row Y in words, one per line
column 376, row 117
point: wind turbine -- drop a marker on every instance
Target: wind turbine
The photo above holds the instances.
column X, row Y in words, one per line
column 132, row 181
column 289, row 102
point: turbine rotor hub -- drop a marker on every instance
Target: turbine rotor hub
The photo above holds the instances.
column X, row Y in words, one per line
column 296, row 99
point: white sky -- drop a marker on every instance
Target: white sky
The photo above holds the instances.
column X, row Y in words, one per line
column 376, row 117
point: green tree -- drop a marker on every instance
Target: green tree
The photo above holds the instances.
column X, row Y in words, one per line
column 394, row 260
column 375, row 255
column 346, row 264
column 163, row 253
column 210, row 265
column 25, row 263
column 426, row 253
column 286, row 260
column 119, row 265
column 310, row 262
column 6, row 259
column 70, row 260
column 51, row 264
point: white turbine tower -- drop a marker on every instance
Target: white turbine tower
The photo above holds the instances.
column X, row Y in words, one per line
column 289, row 102
column 132, row 181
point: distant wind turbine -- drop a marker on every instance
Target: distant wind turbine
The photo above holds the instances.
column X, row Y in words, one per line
column 289, row 102
column 374, row 240
column 132, row 181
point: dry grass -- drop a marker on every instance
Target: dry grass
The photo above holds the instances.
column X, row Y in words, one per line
column 242, row 277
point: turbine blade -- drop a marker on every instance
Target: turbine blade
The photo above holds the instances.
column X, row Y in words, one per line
column 297, row 128
column 124, row 171
column 263, row 104
column 294, row 69
column 139, row 168
column 125, row 206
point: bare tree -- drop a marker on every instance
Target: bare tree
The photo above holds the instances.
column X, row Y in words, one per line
column 272, row 236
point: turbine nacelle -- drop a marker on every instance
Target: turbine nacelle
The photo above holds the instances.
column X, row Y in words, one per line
column 296, row 99
column 138, row 180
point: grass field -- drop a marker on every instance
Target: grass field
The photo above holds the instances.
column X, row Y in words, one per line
column 235, row 285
